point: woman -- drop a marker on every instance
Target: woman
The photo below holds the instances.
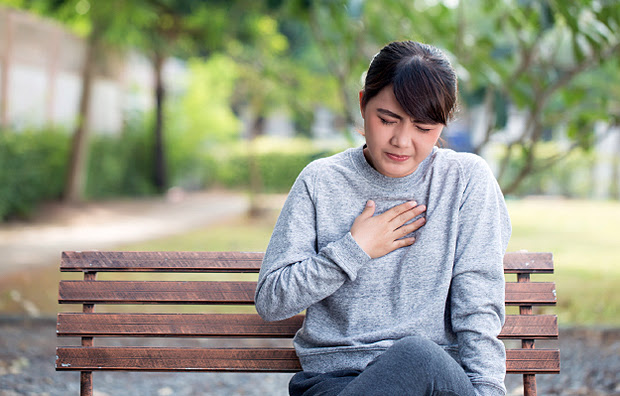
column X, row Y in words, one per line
column 394, row 249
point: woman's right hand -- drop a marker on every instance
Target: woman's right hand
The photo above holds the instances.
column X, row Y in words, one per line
column 384, row 233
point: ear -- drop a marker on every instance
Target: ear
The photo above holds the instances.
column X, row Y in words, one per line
column 361, row 106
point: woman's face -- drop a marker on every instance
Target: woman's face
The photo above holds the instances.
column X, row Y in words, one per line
column 396, row 144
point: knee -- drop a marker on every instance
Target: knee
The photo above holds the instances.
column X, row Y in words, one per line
column 417, row 349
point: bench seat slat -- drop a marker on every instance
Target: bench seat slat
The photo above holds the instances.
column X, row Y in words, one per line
column 196, row 292
column 530, row 361
column 177, row 359
column 243, row 325
column 514, row 262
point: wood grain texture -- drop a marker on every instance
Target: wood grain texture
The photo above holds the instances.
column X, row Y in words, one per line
column 152, row 292
column 529, row 385
column 161, row 261
column 177, row 359
column 175, row 325
column 89, row 325
column 525, row 262
column 197, row 292
column 531, row 293
column 532, row 361
column 531, row 327
column 242, row 325
column 514, row 262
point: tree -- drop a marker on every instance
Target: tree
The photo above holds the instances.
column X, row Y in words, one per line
column 104, row 25
column 174, row 28
column 539, row 69
column 188, row 28
column 538, row 57
column 161, row 28
column 338, row 30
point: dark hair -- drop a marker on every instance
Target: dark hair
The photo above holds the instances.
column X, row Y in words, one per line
column 423, row 80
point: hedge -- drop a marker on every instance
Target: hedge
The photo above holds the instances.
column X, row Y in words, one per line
column 33, row 166
column 32, row 169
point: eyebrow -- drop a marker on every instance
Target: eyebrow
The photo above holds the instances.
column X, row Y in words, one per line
column 389, row 113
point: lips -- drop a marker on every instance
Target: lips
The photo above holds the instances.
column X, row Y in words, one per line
column 396, row 157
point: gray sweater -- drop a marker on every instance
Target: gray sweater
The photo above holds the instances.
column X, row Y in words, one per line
column 447, row 287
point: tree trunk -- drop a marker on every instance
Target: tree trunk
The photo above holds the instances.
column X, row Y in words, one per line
column 339, row 67
column 530, row 157
column 4, row 76
column 78, row 162
column 159, row 172
column 256, row 180
column 614, row 188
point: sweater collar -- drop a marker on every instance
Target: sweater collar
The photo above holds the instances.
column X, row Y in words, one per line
column 378, row 179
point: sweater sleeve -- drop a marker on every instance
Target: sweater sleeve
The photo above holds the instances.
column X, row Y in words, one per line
column 294, row 275
column 477, row 290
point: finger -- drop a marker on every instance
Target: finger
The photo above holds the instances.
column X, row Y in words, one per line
column 369, row 209
column 405, row 217
column 400, row 209
column 409, row 228
column 418, row 210
column 403, row 242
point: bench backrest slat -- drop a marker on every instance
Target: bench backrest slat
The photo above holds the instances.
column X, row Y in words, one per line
column 530, row 293
column 514, row 262
column 242, row 325
column 175, row 325
column 152, row 292
column 239, row 292
column 161, row 261
column 525, row 262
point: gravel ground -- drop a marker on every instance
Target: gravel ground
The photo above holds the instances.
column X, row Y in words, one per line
column 590, row 366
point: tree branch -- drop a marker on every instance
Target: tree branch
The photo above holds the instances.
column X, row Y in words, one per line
column 490, row 119
column 566, row 78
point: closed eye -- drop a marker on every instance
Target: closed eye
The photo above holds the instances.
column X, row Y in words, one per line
column 386, row 122
column 423, row 129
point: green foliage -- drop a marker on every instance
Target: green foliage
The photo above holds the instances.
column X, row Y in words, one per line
column 200, row 118
column 571, row 177
column 32, row 168
column 33, row 165
column 121, row 165
column 279, row 163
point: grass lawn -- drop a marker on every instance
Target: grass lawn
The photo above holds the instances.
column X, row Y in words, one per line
column 584, row 237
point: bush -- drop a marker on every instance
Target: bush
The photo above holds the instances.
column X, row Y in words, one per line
column 32, row 168
column 121, row 165
column 279, row 162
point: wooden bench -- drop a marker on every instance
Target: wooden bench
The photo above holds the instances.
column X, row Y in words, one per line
column 525, row 326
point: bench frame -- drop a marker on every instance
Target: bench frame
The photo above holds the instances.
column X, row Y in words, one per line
column 89, row 292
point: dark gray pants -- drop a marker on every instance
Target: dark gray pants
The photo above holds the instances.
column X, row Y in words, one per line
column 412, row 366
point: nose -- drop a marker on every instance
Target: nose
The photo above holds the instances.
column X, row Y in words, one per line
column 401, row 137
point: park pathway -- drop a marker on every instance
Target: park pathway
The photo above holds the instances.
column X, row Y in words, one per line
column 101, row 225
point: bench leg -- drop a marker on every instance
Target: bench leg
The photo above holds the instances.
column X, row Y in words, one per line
column 529, row 385
column 86, row 383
